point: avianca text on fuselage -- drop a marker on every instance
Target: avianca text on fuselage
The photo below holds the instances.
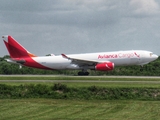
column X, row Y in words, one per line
column 103, row 61
column 118, row 55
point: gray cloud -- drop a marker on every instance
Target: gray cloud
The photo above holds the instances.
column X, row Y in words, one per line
column 66, row 26
column 145, row 7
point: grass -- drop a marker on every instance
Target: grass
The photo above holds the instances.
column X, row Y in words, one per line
column 51, row 109
column 108, row 85
column 54, row 109
column 88, row 78
column 96, row 81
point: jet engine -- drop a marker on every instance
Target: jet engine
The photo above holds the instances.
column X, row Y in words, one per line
column 105, row 66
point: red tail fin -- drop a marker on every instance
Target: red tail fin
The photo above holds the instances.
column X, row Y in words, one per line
column 15, row 49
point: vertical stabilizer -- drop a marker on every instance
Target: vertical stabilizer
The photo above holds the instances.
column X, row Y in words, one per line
column 15, row 49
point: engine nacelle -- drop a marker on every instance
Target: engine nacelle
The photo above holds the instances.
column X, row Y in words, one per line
column 105, row 66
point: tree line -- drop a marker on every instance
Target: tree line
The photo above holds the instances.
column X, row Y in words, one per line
column 151, row 69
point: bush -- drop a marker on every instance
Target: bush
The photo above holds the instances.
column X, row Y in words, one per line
column 61, row 91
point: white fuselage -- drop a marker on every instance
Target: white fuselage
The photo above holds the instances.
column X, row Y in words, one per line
column 102, row 61
column 119, row 58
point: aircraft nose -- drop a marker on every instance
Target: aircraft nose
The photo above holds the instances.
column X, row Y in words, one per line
column 154, row 56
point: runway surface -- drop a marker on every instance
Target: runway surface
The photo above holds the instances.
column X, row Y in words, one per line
column 76, row 81
column 149, row 77
column 155, row 81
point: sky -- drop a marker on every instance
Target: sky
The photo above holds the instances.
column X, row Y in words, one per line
column 81, row 26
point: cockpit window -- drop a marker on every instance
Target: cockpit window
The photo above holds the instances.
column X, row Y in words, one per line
column 151, row 54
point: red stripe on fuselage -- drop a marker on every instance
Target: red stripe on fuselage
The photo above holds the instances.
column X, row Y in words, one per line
column 32, row 63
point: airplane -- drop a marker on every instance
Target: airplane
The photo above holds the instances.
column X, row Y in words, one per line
column 100, row 61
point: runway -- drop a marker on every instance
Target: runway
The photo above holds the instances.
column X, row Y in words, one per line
column 149, row 77
column 79, row 79
column 76, row 81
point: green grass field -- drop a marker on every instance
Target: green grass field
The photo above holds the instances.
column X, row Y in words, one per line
column 140, row 82
column 51, row 109
column 54, row 109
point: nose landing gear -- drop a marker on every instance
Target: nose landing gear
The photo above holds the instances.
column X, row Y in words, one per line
column 141, row 69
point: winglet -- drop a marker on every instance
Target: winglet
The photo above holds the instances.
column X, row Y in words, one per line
column 65, row 56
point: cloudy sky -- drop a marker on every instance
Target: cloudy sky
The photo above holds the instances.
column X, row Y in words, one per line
column 80, row 26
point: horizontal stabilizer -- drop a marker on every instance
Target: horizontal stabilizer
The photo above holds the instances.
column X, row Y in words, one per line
column 21, row 61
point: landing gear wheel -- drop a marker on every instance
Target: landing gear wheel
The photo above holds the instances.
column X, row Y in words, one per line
column 83, row 73
column 80, row 73
column 86, row 73
column 141, row 69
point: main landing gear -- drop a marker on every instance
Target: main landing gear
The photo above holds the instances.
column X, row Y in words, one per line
column 83, row 72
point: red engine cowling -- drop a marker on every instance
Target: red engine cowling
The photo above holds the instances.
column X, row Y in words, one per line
column 105, row 66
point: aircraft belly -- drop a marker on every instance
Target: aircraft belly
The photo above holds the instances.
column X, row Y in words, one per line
column 134, row 61
column 126, row 61
column 56, row 63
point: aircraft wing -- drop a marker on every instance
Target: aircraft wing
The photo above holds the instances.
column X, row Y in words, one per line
column 80, row 62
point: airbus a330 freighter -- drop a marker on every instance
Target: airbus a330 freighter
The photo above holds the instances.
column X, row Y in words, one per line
column 101, row 61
